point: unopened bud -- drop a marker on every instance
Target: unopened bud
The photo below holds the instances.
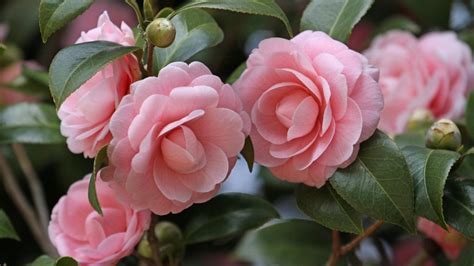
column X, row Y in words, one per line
column 421, row 119
column 144, row 248
column 170, row 239
column 161, row 32
column 444, row 134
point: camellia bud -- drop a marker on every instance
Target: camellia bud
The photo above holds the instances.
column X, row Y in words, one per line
column 421, row 119
column 144, row 248
column 170, row 239
column 161, row 32
column 444, row 134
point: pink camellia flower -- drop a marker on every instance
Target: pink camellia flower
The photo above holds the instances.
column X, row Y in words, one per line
column 85, row 114
column 80, row 232
column 433, row 73
column 450, row 241
column 175, row 139
column 312, row 102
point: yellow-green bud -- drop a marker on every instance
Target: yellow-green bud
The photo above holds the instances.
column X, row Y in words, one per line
column 421, row 119
column 144, row 248
column 170, row 239
column 161, row 32
column 444, row 134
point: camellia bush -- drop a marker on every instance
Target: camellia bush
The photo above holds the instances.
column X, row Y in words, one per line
column 374, row 146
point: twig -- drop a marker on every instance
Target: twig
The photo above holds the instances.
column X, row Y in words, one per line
column 149, row 61
column 34, row 183
column 356, row 241
column 336, row 249
column 26, row 210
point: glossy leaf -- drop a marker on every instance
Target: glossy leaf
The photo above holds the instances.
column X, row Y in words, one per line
column 459, row 206
column 34, row 123
column 48, row 261
column 92, row 193
column 55, row 14
column 66, row 261
column 248, row 153
column 196, row 30
column 466, row 167
column 335, row 17
column 430, row 12
column 74, row 65
column 237, row 73
column 6, row 227
column 379, row 183
column 226, row 215
column 329, row 209
column 466, row 257
column 410, row 139
column 287, row 243
column 430, row 169
column 470, row 115
column 255, row 7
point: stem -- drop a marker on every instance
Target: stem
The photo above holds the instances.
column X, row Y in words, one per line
column 356, row 241
column 13, row 190
column 149, row 61
column 154, row 242
column 336, row 248
column 34, row 183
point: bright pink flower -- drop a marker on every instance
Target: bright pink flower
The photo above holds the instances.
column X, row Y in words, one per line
column 175, row 139
column 433, row 73
column 312, row 102
column 450, row 241
column 85, row 114
column 80, row 232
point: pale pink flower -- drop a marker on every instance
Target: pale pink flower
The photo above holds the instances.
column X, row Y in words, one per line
column 312, row 102
column 85, row 114
column 450, row 241
column 432, row 73
column 175, row 139
column 78, row 231
column 9, row 96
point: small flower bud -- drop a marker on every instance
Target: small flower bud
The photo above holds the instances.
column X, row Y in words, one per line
column 161, row 32
column 421, row 119
column 170, row 239
column 144, row 248
column 444, row 134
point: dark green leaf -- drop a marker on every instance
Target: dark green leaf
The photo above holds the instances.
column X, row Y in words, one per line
column 6, row 227
column 226, row 215
column 248, row 153
column 288, row 243
column 329, row 209
column 165, row 12
column 55, row 14
column 196, row 30
column 236, row 74
column 430, row 169
column 33, row 123
column 466, row 257
column 255, row 7
column 74, row 65
column 410, row 139
column 335, row 17
column 459, row 206
column 430, row 12
column 92, row 193
column 2, row 48
column 379, row 183
column 43, row 260
column 466, row 168
column 31, row 82
column 398, row 22
column 470, row 115
column 66, row 261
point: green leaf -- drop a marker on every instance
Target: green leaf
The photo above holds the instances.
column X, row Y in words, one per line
column 254, row 7
column 226, row 215
column 430, row 12
column 379, row 183
column 31, row 82
column 410, row 139
column 329, row 209
column 92, row 193
column 66, row 261
column 398, row 22
column 6, row 227
column 335, row 17
column 248, row 153
column 470, row 115
column 430, row 169
column 74, row 65
column 237, row 73
column 55, row 14
column 3, row 48
column 459, row 206
column 466, row 168
column 164, row 12
column 466, row 257
column 45, row 260
column 196, row 30
column 287, row 243
column 33, row 123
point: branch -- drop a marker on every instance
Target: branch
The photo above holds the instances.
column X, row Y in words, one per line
column 13, row 190
column 34, row 184
column 356, row 241
column 336, row 249
column 149, row 61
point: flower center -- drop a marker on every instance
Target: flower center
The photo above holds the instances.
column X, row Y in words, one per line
column 287, row 106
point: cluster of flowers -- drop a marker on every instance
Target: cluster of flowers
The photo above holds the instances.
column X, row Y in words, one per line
column 306, row 103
